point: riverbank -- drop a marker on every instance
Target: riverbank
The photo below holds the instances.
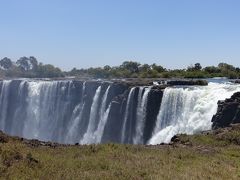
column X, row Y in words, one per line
column 209, row 155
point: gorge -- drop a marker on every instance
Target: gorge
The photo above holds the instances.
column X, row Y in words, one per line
column 91, row 112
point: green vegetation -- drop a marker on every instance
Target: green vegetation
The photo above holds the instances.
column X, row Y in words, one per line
column 212, row 155
column 29, row 67
column 130, row 69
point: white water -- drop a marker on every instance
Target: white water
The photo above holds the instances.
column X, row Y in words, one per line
column 4, row 103
column 88, row 138
column 99, row 132
column 189, row 110
column 76, row 119
column 43, row 103
column 16, row 125
column 104, row 103
column 96, row 136
column 55, row 111
column 47, row 110
column 129, row 99
column 103, row 118
column 141, row 114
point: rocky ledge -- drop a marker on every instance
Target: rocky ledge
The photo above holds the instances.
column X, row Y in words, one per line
column 162, row 82
column 187, row 82
column 228, row 112
column 236, row 81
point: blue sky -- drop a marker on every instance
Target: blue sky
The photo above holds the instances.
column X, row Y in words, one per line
column 84, row 33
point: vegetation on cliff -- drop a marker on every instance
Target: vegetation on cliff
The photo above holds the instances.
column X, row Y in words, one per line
column 210, row 155
column 30, row 67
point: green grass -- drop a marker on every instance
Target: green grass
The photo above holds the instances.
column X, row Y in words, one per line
column 212, row 156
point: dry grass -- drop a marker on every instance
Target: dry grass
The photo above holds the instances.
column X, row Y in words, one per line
column 212, row 156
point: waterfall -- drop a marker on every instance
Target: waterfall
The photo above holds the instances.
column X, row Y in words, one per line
column 141, row 114
column 99, row 132
column 88, row 136
column 97, row 135
column 189, row 109
column 126, row 116
column 4, row 102
column 72, row 111
column 76, row 118
column 49, row 105
column 104, row 103
column 19, row 112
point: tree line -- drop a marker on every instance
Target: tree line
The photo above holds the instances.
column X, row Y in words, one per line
column 131, row 69
column 29, row 67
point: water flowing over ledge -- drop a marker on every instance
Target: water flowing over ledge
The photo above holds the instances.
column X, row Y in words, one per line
column 71, row 111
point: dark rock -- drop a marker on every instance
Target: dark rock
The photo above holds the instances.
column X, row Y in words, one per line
column 175, row 138
column 228, row 112
column 187, row 82
column 154, row 101
column 3, row 138
column 236, row 81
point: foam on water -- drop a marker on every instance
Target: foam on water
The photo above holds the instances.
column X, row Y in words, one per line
column 189, row 109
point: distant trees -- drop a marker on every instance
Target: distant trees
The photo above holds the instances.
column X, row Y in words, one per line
column 28, row 67
column 48, row 71
column 6, row 63
column 131, row 66
column 212, row 69
column 31, row 68
column 196, row 67
column 158, row 68
column 131, row 69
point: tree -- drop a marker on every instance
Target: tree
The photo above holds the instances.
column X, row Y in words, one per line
column 107, row 68
column 6, row 63
column 34, row 63
column 158, row 68
column 23, row 64
column 226, row 67
column 27, row 64
column 131, row 66
column 145, row 68
column 212, row 69
column 197, row 67
column 48, row 71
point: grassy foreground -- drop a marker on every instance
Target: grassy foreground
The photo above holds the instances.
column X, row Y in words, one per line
column 212, row 155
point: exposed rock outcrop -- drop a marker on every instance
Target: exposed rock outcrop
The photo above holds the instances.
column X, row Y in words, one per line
column 187, row 82
column 236, row 81
column 228, row 112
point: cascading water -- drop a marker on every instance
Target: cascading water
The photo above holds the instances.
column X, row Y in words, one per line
column 4, row 103
column 189, row 110
column 99, row 132
column 103, row 118
column 72, row 134
column 95, row 135
column 94, row 112
column 104, row 103
column 141, row 114
column 88, row 136
column 47, row 105
column 126, row 116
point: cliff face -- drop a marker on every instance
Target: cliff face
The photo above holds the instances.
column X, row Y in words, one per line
column 79, row 111
column 228, row 112
column 88, row 112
